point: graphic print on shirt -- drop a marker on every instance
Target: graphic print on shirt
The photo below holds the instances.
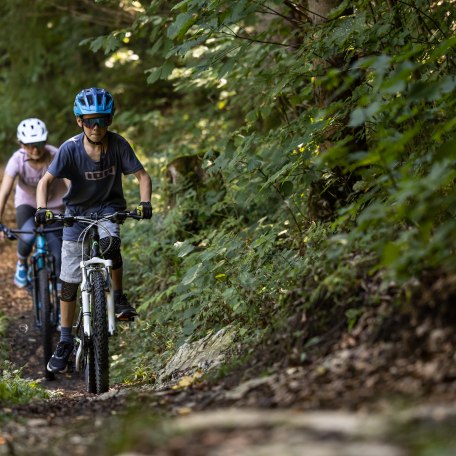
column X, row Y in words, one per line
column 98, row 175
column 32, row 181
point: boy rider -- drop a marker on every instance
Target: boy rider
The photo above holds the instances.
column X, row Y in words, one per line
column 94, row 162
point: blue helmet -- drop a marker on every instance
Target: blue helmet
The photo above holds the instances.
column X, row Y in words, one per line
column 93, row 101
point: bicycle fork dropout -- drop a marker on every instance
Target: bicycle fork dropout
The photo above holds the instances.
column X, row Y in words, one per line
column 85, row 318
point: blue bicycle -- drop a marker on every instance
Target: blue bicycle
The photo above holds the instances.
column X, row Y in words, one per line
column 43, row 288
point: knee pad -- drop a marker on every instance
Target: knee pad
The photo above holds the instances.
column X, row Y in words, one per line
column 112, row 252
column 69, row 291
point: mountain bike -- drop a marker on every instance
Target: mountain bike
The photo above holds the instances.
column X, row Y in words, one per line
column 96, row 321
column 43, row 288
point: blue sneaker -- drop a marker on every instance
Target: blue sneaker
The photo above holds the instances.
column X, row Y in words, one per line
column 20, row 278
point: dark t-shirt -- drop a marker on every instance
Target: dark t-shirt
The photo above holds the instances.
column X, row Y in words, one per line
column 95, row 186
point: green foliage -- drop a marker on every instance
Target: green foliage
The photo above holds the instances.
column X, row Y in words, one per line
column 336, row 148
column 17, row 390
column 328, row 150
column 51, row 50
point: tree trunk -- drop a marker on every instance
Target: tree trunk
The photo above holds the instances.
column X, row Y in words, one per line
column 326, row 198
column 320, row 9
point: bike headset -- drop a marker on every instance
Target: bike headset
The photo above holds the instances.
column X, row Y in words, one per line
column 94, row 101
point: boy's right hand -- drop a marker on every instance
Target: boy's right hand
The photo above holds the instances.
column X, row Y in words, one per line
column 43, row 215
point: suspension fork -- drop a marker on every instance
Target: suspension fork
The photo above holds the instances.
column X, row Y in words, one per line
column 107, row 270
column 38, row 261
column 105, row 267
column 85, row 300
column 39, row 255
column 79, row 342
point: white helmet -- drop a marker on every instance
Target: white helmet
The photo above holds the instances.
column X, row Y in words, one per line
column 31, row 131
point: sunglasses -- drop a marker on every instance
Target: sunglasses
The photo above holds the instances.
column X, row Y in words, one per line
column 38, row 145
column 102, row 122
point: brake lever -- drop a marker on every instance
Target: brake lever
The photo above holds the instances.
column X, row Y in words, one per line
column 8, row 234
column 119, row 218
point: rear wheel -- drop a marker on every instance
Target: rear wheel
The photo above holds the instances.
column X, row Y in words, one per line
column 100, row 333
column 47, row 329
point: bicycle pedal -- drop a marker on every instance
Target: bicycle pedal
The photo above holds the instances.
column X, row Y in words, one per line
column 125, row 318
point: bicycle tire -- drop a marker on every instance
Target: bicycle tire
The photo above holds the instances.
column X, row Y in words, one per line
column 35, row 299
column 54, row 295
column 47, row 329
column 100, row 333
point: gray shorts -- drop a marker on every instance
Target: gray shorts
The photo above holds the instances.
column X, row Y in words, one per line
column 72, row 254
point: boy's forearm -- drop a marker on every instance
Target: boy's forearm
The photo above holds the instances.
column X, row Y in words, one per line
column 145, row 188
column 41, row 194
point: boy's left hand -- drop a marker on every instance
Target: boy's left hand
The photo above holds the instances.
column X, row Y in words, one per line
column 43, row 215
column 144, row 210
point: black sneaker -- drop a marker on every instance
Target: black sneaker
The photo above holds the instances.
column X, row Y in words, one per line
column 59, row 360
column 123, row 309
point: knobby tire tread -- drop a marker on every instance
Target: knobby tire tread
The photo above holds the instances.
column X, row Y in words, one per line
column 100, row 333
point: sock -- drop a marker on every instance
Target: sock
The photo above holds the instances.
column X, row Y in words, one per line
column 117, row 295
column 65, row 335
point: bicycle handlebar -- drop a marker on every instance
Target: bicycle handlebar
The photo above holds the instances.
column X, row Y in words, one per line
column 116, row 217
column 8, row 232
column 12, row 233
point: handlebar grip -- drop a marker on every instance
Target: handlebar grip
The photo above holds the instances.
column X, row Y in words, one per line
column 67, row 220
column 128, row 214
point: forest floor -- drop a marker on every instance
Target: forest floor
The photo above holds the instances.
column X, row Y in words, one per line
column 362, row 395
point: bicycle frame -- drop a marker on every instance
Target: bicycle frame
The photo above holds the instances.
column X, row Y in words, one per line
column 43, row 288
column 41, row 259
column 97, row 319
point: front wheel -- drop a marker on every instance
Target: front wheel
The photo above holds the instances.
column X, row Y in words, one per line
column 100, row 333
column 47, row 329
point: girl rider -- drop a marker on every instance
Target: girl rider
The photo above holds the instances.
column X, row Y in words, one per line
column 29, row 164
